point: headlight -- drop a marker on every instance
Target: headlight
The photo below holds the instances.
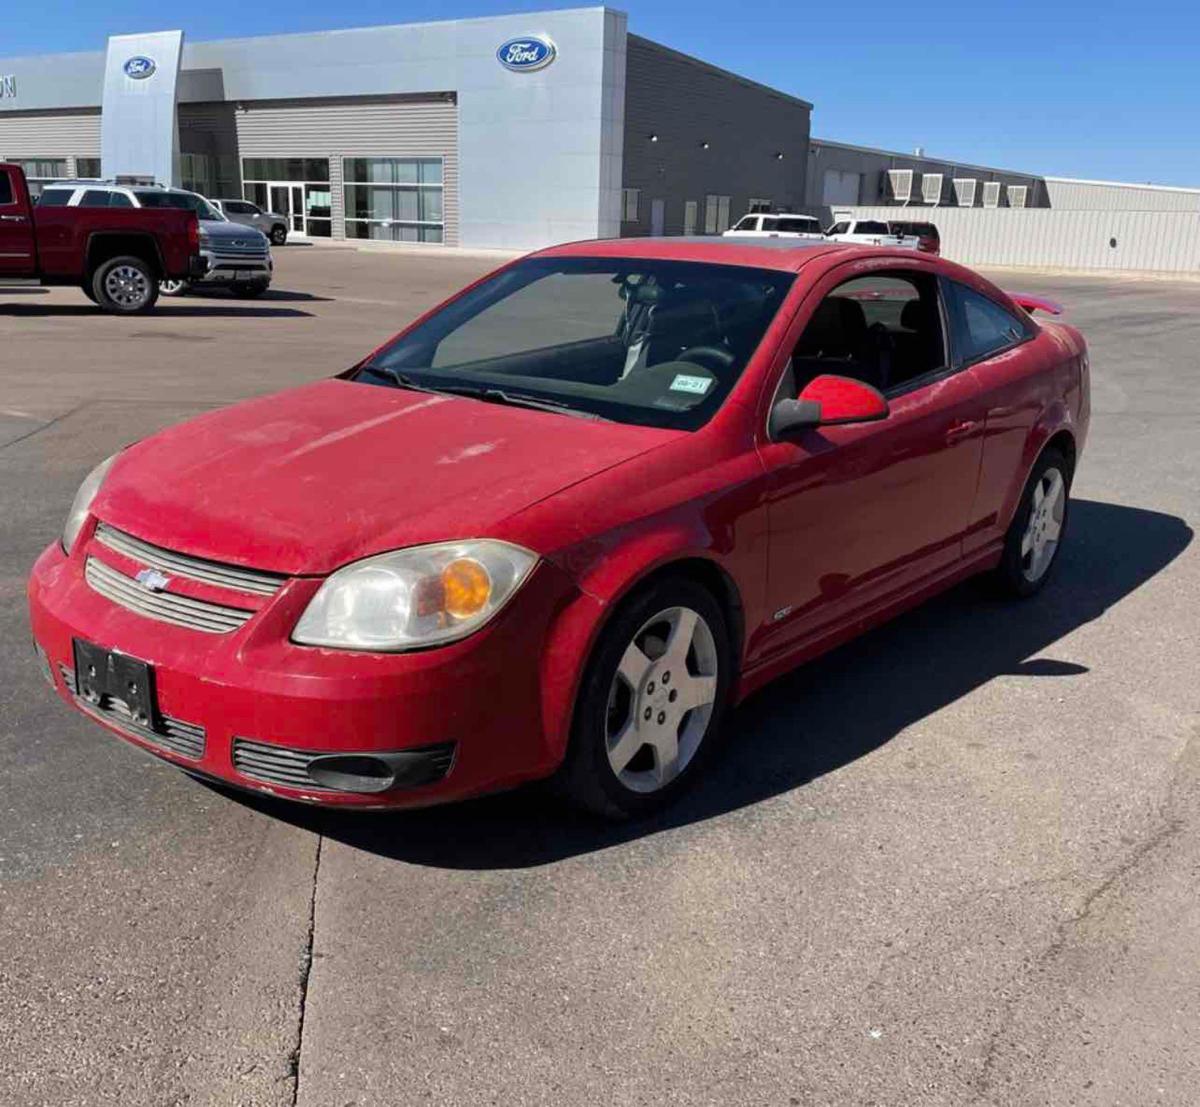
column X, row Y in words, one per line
column 82, row 503
column 412, row 598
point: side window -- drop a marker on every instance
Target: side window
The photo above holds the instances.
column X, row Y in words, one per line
column 55, row 198
column 770, row 224
column 884, row 330
column 119, row 200
column 6, row 188
column 838, row 228
column 95, row 198
column 981, row 326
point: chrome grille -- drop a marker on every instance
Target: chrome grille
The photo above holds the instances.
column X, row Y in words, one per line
column 185, row 739
column 194, row 568
column 166, row 607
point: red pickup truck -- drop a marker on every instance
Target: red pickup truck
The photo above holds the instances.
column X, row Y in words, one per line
column 116, row 256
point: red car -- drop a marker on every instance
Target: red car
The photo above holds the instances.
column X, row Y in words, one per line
column 562, row 522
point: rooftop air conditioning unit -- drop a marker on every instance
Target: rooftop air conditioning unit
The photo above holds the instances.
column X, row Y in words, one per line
column 931, row 188
column 991, row 194
column 900, row 185
column 1018, row 196
column 964, row 191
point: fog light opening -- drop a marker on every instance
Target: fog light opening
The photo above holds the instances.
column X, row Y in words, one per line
column 352, row 773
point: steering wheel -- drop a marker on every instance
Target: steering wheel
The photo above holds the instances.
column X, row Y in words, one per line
column 711, row 357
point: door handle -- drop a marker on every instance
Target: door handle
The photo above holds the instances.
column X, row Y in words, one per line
column 14, row 219
column 960, row 431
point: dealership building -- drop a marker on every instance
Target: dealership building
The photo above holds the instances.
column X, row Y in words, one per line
column 505, row 132
column 509, row 132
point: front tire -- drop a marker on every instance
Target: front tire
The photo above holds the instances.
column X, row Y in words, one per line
column 1036, row 534
column 125, row 286
column 651, row 703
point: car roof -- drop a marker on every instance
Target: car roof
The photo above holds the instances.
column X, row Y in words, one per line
column 785, row 254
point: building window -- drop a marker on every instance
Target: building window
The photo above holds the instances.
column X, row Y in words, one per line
column 758, row 204
column 629, row 204
column 39, row 172
column 87, row 168
column 716, row 214
column 691, row 214
column 296, row 188
column 395, row 199
column 214, row 177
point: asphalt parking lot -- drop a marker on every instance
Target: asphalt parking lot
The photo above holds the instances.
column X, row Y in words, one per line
column 955, row 862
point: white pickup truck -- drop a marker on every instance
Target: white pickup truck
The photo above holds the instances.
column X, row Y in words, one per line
column 870, row 232
column 775, row 225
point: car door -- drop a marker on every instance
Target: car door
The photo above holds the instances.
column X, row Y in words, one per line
column 17, row 257
column 1000, row 349
column 861, row 514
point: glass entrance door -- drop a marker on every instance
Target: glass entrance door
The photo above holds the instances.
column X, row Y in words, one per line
column 287, row 199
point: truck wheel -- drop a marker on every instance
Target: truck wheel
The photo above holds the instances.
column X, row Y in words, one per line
column 248, row 291
column 279, row 234
column 125, row 286
column 174, row 288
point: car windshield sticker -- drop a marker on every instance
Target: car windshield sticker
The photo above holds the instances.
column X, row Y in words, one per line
column 696, row 385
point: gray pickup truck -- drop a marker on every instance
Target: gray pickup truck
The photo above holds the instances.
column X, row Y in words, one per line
column 271, row 223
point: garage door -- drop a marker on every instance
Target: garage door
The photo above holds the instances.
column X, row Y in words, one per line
column 840, row 187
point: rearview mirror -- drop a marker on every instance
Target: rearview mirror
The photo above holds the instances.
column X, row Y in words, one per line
column 828, row 401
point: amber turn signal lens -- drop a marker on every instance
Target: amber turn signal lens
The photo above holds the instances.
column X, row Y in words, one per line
column 466, row 587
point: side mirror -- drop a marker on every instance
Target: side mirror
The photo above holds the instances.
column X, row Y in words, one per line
column 828, row 401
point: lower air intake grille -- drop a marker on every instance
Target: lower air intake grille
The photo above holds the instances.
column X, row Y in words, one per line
column 185, row 739
column 290, row 768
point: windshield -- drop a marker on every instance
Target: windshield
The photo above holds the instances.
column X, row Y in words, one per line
column 655, row 343
column 188, row 201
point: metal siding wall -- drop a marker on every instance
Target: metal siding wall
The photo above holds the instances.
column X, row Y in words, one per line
column 50, row 134
column 1099, row 196
column 685, row 103
column 395, row 128
column 1147, row 241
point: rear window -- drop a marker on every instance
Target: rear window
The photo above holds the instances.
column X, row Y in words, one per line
column 55, row 197
column 6, row 189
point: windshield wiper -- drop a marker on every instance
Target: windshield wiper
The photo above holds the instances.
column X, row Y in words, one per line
column 516, row 399
column 486, row 393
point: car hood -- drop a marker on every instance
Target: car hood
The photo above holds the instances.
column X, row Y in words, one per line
column 212, row 228
column 307, row 480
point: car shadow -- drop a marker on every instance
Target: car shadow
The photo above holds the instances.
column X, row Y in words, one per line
column 172, row 311
column 813, row 721
column 271, row 294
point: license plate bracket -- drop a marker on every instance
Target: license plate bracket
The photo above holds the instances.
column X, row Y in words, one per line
column 101, row 674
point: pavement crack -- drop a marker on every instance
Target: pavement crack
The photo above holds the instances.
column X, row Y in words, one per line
column 305, row 972
column 1171, row 824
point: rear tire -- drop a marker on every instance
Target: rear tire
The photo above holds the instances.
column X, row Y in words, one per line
column 1035, row 536
column 651, row 702
column 88, row 291
column 174, row 288
column 125, row 286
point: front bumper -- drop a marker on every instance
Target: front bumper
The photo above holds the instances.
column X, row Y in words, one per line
column 250, row 708
column 222, row 267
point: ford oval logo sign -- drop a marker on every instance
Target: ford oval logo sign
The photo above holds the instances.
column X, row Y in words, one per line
column 523, row 55
column 140, row 68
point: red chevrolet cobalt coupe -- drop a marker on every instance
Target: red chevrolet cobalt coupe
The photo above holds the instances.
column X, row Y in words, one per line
column 562, row 522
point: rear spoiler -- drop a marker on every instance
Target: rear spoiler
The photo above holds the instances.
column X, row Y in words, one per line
column 1036, row 303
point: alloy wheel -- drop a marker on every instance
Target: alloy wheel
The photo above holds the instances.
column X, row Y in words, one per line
column 127, row 286
column 1039, row 543
column 661, row 699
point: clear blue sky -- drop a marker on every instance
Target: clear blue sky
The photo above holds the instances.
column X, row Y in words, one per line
column 1064, row 88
